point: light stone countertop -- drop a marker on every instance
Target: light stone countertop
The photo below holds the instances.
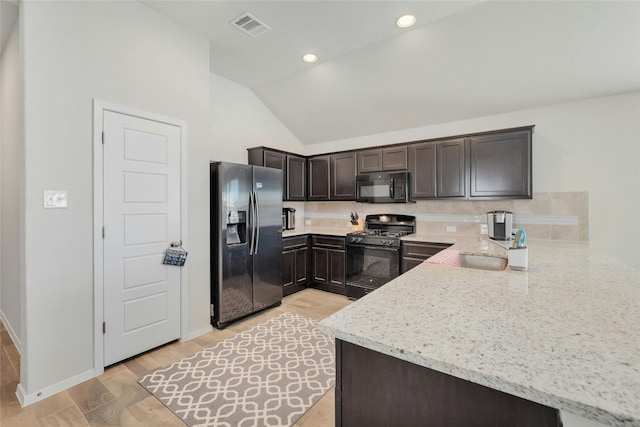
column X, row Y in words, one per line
column 565, row 333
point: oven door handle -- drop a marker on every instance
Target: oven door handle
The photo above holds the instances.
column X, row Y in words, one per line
column 381, row 248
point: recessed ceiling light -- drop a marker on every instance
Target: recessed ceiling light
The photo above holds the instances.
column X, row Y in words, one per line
column 405, row 21
column 309, row 57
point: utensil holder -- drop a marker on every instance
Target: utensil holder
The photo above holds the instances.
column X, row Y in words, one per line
column 519, row 258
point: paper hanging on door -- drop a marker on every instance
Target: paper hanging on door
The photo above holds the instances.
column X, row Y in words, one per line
column 175, row 256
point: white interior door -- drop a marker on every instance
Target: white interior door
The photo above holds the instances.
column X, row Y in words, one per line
column 141, row 218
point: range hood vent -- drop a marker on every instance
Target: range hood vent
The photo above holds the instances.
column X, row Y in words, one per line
column 250, row 25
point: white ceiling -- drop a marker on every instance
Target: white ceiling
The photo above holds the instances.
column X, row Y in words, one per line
column 462, row 59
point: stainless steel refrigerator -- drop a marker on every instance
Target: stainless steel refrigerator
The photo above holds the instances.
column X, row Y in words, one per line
column 246, row 240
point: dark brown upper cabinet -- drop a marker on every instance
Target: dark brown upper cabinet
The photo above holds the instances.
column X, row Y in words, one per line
column 394, row 158
column 422, row 168
column 450, row 168
column 332, row 177
column 293, row 170
column 369, row 161
column 482, row 166
column 500, row 165
column 343, row 176
column 318, row 178
column 275, row 160
column 382, row 159
column 296, row 178
column 271, row 159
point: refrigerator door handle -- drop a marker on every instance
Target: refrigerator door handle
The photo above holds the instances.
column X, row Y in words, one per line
column 253, row 222
column 257, row 205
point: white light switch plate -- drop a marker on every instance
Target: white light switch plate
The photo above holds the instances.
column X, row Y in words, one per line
column 55, row 199
column 307, row 222
column 451, row 228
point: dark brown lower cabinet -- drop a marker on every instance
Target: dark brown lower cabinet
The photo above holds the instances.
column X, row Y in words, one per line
column 377, row 390
column 337, row 268
column 328, row 267
column 295, row 264
column 415, row 253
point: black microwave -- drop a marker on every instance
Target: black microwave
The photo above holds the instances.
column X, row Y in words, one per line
column 383, row 187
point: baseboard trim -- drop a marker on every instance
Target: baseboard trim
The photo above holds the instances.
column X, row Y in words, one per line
column 198, row 332
column 12, row 334
column 26, row 399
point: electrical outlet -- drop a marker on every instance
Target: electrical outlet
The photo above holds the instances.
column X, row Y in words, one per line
column 307, row 222
column 451, row 228
column 54, row 199
column 483, row 229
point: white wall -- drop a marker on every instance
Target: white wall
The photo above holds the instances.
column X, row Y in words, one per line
column 11, row 179
column 590, row 145
column 121, row 53
column 239, row 120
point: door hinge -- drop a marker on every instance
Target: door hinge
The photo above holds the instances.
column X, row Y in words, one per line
column 104, row 328
column 212, row 311
column 102, row 138
column 103, row 232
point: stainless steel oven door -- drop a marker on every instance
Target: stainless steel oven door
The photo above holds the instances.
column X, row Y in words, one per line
column 369, row 267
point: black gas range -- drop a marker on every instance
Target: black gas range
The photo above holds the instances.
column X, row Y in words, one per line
column 373, row 255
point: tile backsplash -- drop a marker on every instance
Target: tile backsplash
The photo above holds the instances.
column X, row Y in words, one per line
column 548, row 216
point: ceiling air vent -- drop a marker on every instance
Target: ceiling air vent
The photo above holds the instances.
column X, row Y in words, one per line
column 250, row 25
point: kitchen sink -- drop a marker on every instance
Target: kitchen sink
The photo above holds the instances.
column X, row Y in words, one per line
column 482, row 262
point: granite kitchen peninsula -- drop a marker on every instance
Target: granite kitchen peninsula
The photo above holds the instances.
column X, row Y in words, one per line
column 444, row 345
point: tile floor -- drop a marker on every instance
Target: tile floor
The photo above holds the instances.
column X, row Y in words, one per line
column 116, row 399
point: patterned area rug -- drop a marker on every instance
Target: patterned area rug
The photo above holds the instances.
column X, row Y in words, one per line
column 269, row 375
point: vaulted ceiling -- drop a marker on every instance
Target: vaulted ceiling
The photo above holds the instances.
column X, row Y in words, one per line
column 461, row 60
